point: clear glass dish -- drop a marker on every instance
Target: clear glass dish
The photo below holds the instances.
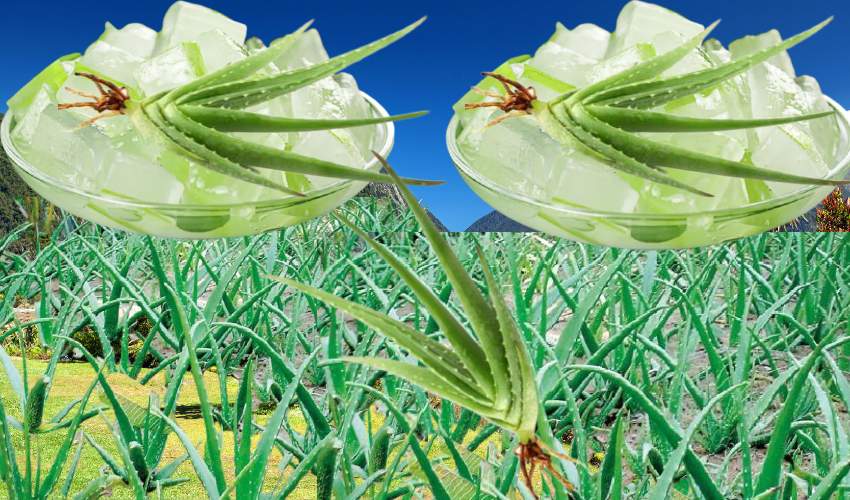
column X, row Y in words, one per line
column 649, row 231
column 196, row 221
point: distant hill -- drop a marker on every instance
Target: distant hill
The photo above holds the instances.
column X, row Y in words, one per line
column 496, row 222
column 12, row 188
column 391, row 193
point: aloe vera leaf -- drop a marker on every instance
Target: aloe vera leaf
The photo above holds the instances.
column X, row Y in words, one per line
column 433, row 354
column 515, row 376
column 656, row 93
column 471, row 355
column 200, row 466
column 662, row 486
column 646, row 70
column 638, row 120
column 692, row 462
column 243, row 69
column 437, row 488
column 317, row 418
column 829, row 484
column 428, row 380
column 525, row 403
column 242, row 426
column 558, row 123
column 241, row 95
column 772, row 468
column 229, row 149
column 52, row 476
column 481, row 315
column 329, row 442
column 13, row 378
column 663, row 155
column 34, row 411
column 213, row 160
column 230, row 120
column 611, row 475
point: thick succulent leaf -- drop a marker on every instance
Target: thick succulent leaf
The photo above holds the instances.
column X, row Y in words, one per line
column 212, row 159
column 663, row 155
column 638, row 120
column 659, row 420
column 646, row 70
column 241, row 95
column 468, row 350
column 829, row 485
column 661, row 490
column 618, row 159
column 201, row 468
column 226, row 148
column 231, row 120
column 656, row 93
column 243, row 69
column 431, row 382
column 481, row 315
column 525, row 397
column 430, row 352
column 771, row 473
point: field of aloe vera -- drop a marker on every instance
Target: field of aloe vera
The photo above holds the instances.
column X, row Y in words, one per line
column 191, row 369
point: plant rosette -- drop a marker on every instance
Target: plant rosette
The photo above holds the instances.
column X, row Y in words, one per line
column 652, row 136
column 195, row 132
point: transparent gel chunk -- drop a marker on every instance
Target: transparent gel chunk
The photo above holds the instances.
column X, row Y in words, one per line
column 136, row 39
column 114, row 63
column 171, row 69
column 640, row 22
column 185, row 22
column 524, row 160
column 219, row 50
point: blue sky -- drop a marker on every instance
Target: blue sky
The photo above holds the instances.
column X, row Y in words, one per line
column 435, row 65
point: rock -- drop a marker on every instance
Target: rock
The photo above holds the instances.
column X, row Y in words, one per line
column 393, row 195
column 495, row 222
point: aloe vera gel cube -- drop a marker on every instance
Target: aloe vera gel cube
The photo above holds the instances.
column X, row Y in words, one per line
column 170, row 69
column 136, row 39
column 186, row 21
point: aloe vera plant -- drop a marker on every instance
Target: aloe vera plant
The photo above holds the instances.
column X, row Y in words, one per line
column 196, row 117
column 606, row 117
column 489, row 372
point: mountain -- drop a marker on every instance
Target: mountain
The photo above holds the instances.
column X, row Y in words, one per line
column 495, row 222
column 12, row 188
column 393, row 195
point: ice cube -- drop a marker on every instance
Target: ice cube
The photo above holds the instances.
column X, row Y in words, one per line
column 219, row 50
column 640, row 22
column 171, row 69
column 136, row 39
column 112, row 62
column 756, row 43
column 519, row 156
column 628, row 58
column 589, row 40
column 28, row 123
column 823, row 129
column 131, row 171
column 788, row 149
column 306, row 51
column 185, row 22
column 60, row 148
column 354, row 106
column 563, row 63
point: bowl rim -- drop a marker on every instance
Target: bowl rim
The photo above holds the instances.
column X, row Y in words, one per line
column 284, row 201
column 468, row 172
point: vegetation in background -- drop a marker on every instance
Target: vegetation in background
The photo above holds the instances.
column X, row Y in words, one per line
column 710, row 373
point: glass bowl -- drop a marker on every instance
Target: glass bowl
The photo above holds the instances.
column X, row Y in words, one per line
column 196, row 222
column 650, row 231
